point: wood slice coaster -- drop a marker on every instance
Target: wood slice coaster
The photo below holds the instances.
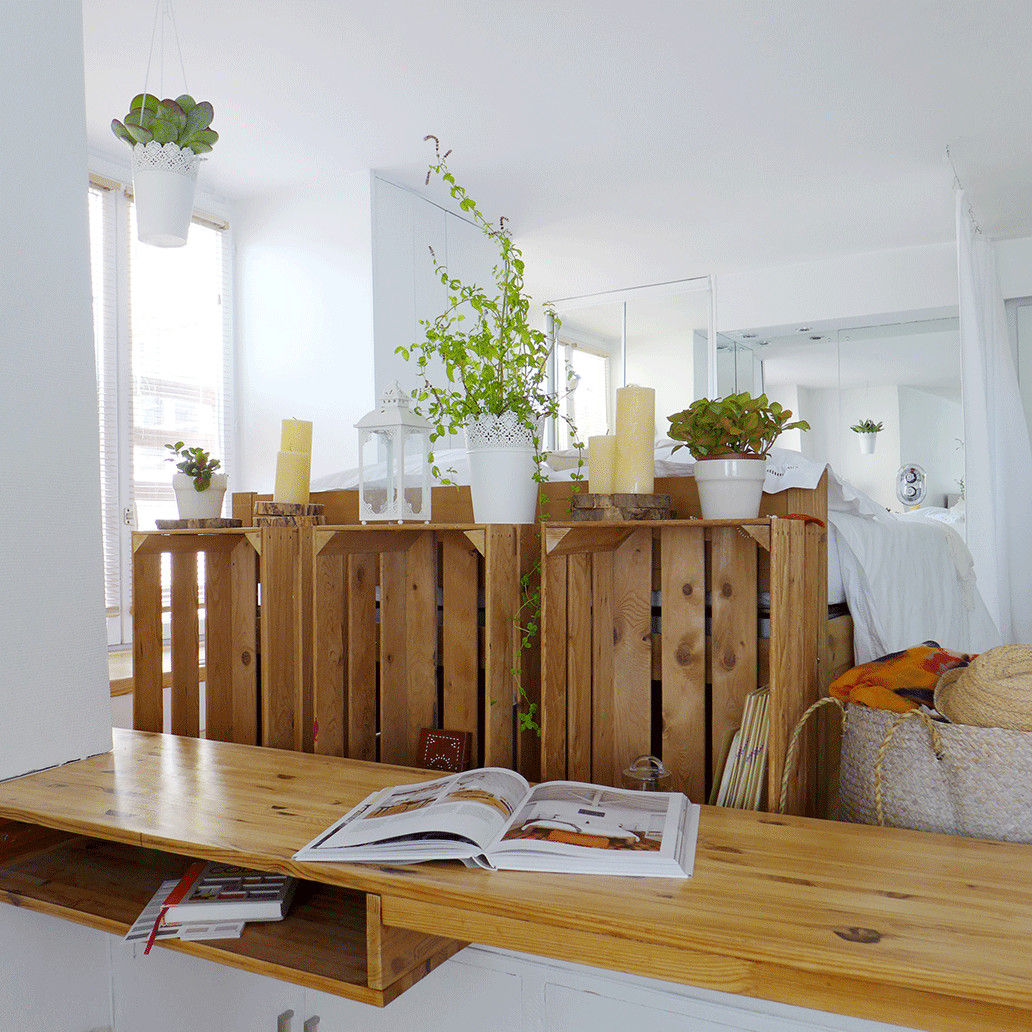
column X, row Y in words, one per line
column 219, row 523
column 598, row 507
column 289, row 514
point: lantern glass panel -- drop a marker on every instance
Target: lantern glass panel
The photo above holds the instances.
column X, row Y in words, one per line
column 376, row 475
column 415, row 446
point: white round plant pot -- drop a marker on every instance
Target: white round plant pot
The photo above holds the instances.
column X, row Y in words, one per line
column 868, row 442
column 199, row 505
column 164, row 181
column 501, row 470
column 730, row 488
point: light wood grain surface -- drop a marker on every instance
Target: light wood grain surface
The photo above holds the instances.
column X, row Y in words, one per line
column 923, row 930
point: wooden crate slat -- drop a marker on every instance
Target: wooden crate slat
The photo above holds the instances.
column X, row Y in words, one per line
column 528, row 743
column 553, row 667
column 394, row 719
column 632, row 652
column 148, row 709
column 218, row 645
column 185, row 635
column 243, row 632
column 684, row 659
column 330, row 650
column 304, row 693
column 421, row 641
column 790, row 693
column 280, row 635
column 578, row 668
column 595, row 711
column 459, row 649
column 734, row 616
column 501, row 609
column 361, row 708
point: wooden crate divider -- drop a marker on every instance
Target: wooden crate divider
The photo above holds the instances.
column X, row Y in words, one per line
column 230, row 597
column 400, row 640
column 603, row 651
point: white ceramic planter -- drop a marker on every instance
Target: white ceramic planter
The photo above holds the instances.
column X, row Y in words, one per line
column 868, row 442
column 730, row 488
column 199, row 505
column 501, row 471
column 164, row 181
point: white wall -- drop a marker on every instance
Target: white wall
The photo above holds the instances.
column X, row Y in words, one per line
column 931, row 424
column 53, row 678
column 304, row 324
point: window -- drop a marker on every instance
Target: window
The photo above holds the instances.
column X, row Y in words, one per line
column 163, row 342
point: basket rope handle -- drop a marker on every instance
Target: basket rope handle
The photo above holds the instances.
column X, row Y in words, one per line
column 793, row 744
column 884, row 748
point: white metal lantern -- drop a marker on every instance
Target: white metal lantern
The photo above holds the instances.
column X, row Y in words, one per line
column 393, row 461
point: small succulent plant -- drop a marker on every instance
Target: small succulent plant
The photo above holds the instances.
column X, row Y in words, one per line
column 194, row 462
column 736, row 425
column 867, row 426
column 182, row 121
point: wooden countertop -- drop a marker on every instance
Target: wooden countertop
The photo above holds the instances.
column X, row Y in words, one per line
column 923, row 930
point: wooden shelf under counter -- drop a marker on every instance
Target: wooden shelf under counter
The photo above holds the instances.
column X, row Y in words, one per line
column 927, row 931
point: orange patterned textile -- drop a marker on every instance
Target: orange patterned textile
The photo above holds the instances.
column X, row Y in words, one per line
column 900, row 681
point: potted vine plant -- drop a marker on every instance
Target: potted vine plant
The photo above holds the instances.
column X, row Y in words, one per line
column 167, row 138
column 729, row 439
column 199, row 489
column 484, row 371
column 867, row 431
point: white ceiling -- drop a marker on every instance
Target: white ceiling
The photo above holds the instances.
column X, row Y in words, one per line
column 627, row 142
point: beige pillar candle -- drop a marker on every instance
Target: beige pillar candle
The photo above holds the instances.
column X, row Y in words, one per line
column 601, row 463
column 296, row 436
column 293, row 476
column 635, row 440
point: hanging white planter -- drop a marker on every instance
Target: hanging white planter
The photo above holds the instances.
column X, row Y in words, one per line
column 868, row 441
column 199, row 505
column 501, row 470
column 164, row 182
column 730, row 487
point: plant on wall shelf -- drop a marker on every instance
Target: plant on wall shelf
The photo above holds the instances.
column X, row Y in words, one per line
column 182, row 121
column 736, row 425
column 867, row 426
column 195, row 463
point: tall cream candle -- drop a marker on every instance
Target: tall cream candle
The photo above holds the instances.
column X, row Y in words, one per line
column 296, row 436
column 635, row 440
column 293, row 477
column 601, row 463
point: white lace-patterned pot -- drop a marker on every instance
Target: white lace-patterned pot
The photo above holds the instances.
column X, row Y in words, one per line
column 164, row 181
column 868, row 441
column 199, row 505
column 501, row 470
column 730, row 487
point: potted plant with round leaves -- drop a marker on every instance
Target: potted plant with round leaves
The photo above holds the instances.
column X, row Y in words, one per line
column 167, row 138
column 729, row 439
column 867, row 431
column 484, row 372
column 199, row 489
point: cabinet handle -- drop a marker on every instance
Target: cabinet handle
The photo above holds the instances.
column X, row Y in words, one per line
column 284, row 1021
column 311, row 1025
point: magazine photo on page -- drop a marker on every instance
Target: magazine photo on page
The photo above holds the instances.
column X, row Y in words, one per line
column 492, row 818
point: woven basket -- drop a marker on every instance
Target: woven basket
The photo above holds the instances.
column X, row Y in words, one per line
column 909, row 771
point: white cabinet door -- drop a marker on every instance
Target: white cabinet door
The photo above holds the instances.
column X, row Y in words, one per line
column 54, row 974
column 456, row 997
column 172, row 992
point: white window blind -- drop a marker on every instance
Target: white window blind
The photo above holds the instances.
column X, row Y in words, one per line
column 163, row 321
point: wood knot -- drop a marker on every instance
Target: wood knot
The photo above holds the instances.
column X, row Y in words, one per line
column 245, row 658
column 726, row 590
column 686, row 590
column 857, row 934
column 683, row 655
column 728, row 660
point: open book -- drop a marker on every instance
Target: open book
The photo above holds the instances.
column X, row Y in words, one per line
column 493, row 818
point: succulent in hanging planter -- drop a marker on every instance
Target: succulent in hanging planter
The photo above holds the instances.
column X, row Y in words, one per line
column 867, row 426
column 182, row 121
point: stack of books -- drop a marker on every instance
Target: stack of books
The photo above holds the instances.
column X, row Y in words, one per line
column 743, row 783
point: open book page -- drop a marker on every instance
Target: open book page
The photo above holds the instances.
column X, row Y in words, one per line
column 471, row 806
column 594, row 825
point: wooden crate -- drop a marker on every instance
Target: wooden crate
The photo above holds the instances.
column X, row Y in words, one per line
column 606, row 694
column 416, row 626
column 230, row 650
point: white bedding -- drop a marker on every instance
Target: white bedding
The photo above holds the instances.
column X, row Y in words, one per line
column 906, row 578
